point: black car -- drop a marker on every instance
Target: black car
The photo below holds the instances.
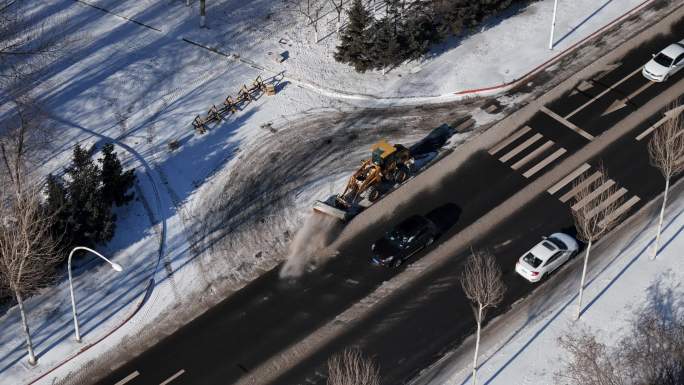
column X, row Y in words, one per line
column 400, row 243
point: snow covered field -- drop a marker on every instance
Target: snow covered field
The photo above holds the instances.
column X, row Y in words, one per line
column 140, row 86
column 622, row 282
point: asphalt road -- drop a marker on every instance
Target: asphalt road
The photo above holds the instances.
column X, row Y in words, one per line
column 432, row 316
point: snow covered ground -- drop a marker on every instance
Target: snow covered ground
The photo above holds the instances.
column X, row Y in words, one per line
column 622, row 282
column 139, row 85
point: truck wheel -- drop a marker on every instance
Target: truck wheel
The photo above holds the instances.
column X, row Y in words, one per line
column 400, row 176
column 373, row 195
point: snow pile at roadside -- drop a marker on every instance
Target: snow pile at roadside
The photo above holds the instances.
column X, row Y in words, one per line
column 622, row 281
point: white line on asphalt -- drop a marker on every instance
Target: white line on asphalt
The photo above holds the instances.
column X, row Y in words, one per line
column 622, row 191
column 168, row 380
column 620, row 210
column 594, row 194
column 568, row 178
column 566, row 197
column 510, row 140
column 668, row 115
column 128, row 378
column 544, row 162
column 521, row 147
column 580, row 108
column 532, row 155
column 567, row 123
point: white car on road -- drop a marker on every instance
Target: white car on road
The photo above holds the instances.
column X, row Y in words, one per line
column 665, row 63
column 546, row 256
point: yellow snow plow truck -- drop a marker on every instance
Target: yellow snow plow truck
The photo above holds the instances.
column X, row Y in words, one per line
column 387, row 166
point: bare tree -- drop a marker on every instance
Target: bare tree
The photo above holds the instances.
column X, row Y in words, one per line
column 23, row 134
column 666, row 150
column 650, row 353
column 594, row 213
column 338, row 6
column 311, row 11
column 482, row 284
column 351, row 368
column 27, row 250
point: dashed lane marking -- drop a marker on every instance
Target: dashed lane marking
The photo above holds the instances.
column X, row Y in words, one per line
column 594, row 194
column 168, row 380
column 128, row 378
column 566, row 197
column 580, row 108
column 521, row 147
column 570, row 177
column 544, row 162
column 532, row 155
column 668, row 115
column 567, row 123
column 510, row 140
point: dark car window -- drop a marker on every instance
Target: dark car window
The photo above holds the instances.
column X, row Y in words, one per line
column 549, row 246
column 553, row 258
column 679, row 59
column 531, row 260
column 559, row 244
column 663, row 59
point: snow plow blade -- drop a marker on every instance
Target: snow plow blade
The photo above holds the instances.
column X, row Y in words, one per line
column 327, row 209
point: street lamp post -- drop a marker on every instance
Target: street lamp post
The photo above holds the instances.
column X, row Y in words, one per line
column 114, row 266
column 553, row 23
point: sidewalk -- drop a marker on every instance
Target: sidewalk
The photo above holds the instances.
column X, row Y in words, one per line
column 520, row 347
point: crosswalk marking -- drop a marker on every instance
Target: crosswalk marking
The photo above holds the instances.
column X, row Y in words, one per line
column 168, row 380
column 532, row 155
column 617, row 195
column 509, row 140
column 567, row 123
column 593, row 194
column 620, row 210
column 521, row 147
column 128, row 378
column 580, row 186
column 544, row 162
column 570, row 177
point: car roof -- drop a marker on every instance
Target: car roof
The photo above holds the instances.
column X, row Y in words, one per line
column 541, row 251
column 674, row 50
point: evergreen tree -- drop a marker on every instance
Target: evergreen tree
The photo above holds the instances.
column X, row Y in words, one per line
column 91, row 220
column 115, row 182
column 355, row 41
column 56, row 206
column 386, row 51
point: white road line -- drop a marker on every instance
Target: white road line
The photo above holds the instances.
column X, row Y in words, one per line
column 532, row 155
column 567, row 123
column 566, row 197
column 622, row 103
column 620, row 210
column 521, row 147
column 509, row 140
column 580, row 108
column 668, row 115
column 128, row 378
column 544, row 162
column 618, row 194
column 168, row 380
column 594, row 194
column 570, row 177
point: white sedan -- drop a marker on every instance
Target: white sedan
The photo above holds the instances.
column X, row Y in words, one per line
column 665, row 63
column 546, row 256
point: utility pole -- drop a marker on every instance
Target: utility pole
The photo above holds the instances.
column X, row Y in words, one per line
column 553, row 23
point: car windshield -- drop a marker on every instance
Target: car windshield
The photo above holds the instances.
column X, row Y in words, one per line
column 531, row 260
column 663, row 59
column 559, row 244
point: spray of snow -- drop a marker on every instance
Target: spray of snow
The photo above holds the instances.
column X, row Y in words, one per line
column 310, row 246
